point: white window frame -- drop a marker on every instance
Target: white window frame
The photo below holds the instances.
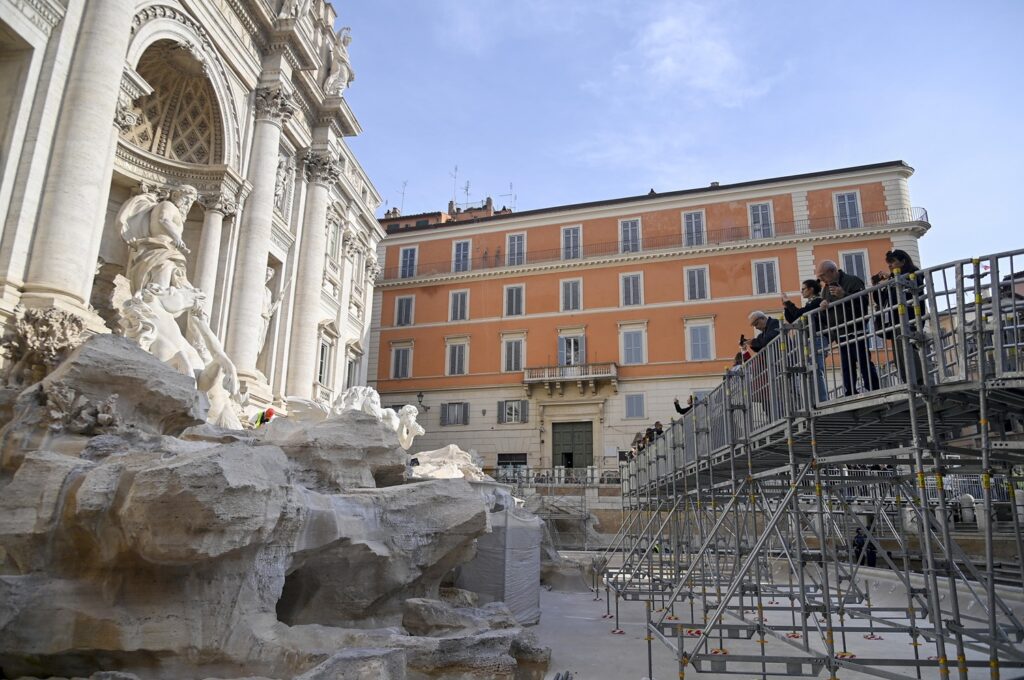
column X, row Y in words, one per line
column 701, row 323
column 867, row 263
column 633, row 328
column 522, row 299
column 415, row 261
column 703, row 227
column 412, row 310
column 451, row 304
column 395, row 348
column 622, row 289
column 753, row 277
column 687, row 293
column 561, row 294
column 505, row 341
column 579, row 246
column 508, row 249
column 469, row 255
column 639, row 234
column 448, row 345
column 518, row 408
column 581, row 337
column 322, row 371
column 835, row 208
column 771, row 218
column 625, row 406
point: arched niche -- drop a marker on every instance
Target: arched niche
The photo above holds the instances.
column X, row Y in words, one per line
column 158, row 26
column 180, row 120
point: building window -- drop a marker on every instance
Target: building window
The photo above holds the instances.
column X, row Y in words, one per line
column 515, row 249
column 697, row 283
column 512, row 351
column 460, row 256
column 401, row 362
column 403, row 310
column 571, row 350
column 856, row 262
column 571, row 243
column 455, row 413
column 506, row 460
column 333, row 240
column 766, row 277
column 457, row 360
column 633, row 346
column 458, row 305
column 635, row 406
column 572, row 295
column 352, row 372
column 514, row 296
column 632, row 289
column 323, row 364
column 693, row 228
column 407, row 263
column 699, row 342
column 629, row 236
column 847, row 210
column 760, row 220
column 513, row 411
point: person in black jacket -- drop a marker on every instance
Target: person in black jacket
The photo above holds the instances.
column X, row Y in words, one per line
column 768, row 327
column 846, row 321
column 681, row 410
column 888, row 297
column 811, row 290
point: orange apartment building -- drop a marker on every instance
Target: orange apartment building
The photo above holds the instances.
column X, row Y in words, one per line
column 551, row 337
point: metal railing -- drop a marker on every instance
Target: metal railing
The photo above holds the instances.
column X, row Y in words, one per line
column 675, row 241
column 864, row 435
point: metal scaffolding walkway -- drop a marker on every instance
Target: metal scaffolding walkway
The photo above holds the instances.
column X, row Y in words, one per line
column 837, row 463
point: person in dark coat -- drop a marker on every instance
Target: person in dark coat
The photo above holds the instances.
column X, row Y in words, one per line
column 811, row 290
column 846, row 322
column 888, row 297
column 769, row 330
column 683, row 410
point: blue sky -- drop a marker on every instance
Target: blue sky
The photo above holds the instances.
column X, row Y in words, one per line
column 579, row 100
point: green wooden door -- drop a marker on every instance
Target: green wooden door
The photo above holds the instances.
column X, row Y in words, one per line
column 573, row 444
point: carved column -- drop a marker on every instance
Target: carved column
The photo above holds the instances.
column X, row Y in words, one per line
column 71, row 216
column 273, row 109
column 217, row 207
column 321, row 172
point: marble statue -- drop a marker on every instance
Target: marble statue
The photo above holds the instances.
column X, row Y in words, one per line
column 39, row 340
column 367, row 400
column 159, row 293
column 270, row 306
column 341, row 73
column 293, row 9
column 282, row 181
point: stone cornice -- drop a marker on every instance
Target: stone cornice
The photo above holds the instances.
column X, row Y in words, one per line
column 918, row 229
column 43, row 14
column 143, row 166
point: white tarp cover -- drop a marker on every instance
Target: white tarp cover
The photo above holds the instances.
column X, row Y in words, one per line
column 448, row 462
column 507, row 564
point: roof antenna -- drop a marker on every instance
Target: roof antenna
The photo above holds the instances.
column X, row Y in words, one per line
column 511, row 194
column 465, row 190
column 455, row 178
column 401, row 207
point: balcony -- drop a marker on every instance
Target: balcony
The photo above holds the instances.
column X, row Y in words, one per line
column 584, row 375
column 675, row 242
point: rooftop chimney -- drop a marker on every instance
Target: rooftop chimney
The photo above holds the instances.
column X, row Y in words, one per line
column 714, row 184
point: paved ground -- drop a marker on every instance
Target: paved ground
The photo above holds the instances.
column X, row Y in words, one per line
column 581, row 642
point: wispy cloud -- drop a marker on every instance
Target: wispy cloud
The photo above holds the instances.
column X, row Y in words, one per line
column 694, row 47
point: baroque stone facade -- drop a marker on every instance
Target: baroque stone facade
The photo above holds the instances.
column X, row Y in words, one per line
column 129, row 101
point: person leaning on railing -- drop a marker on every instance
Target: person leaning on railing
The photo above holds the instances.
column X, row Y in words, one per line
column 811, row 290
column 887, row 299
column 845, row 321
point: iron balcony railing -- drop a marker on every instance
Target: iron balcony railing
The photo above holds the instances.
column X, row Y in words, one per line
column 565, row 373
column 676, row 241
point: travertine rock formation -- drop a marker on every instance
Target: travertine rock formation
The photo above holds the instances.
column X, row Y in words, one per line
column 146, row 541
